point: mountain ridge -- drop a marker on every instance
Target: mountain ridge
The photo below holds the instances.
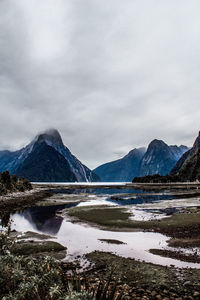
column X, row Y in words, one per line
column 158, row 158
column 13, row 161
column 188, row 167
column 123, row 169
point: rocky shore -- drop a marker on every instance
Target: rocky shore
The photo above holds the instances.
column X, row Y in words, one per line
column 136, row 279
column 18, row 200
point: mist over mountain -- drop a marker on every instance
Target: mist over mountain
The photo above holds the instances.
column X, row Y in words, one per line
column 46, row 158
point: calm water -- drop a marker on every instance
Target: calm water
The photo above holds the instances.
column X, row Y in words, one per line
column 81, row 238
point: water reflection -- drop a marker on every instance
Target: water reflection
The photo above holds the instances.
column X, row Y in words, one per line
column 43, row 218
column 82, row 239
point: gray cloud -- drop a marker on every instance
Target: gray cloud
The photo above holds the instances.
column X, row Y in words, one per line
column 111, row 75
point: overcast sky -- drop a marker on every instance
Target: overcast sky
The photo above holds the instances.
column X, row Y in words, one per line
column 110, row 75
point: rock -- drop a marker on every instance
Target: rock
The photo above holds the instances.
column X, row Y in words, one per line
column 187, row 283
column 196, row 294
column 141, row 291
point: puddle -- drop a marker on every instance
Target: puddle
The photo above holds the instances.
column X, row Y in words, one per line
column 81, row 239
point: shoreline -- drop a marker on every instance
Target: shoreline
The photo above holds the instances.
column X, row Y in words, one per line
column 118, row 185
column 19, row 200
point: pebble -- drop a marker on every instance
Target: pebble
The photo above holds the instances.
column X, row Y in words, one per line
column 153, row 294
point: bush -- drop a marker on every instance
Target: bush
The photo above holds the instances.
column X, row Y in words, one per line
column 6, row 179
column 13, row 183
column 28, row 278
column 3, row 189
column 23, row 185
column 14, row 179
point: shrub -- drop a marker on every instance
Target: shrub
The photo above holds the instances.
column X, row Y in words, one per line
column 6, row 179
column 3, row 189
column 14, row 179
column 28, row 278
column 13, row 183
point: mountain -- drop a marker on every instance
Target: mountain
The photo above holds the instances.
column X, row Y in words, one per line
column 160, row 158
column 188, row 166
column 44, row 163
column 121, row 170
column 46, row 158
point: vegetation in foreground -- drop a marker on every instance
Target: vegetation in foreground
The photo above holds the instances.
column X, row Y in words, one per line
column 11, row 183
column 43, row 278
column 141, row 280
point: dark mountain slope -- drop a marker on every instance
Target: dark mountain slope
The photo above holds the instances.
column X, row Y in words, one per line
column 44, row 163
column 52, row 138
column 121, row 170
column 15, row 161
column 160, row 158
column 188, row 167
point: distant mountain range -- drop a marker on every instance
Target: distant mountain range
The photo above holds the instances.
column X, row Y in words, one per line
column 159, row 158
column 46, row 159
column 122, row 170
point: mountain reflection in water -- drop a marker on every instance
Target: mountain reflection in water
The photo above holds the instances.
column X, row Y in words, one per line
column 44, row 218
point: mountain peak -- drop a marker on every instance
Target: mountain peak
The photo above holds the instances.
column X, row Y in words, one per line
column 156, row 144
column 50, row 136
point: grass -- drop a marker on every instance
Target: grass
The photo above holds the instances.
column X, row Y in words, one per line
column 180, row 225
column 28, row 248
column 142, row 275
column 184, row 243
column 35, row 235
column 102, row 215
column 194, row 258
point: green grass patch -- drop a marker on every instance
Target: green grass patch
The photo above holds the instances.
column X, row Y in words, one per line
column 142, row 275
column 193, row 258
column 34, row 235
column 102, row 215
column 184, row 224
column 28, row 248
column 184, row 243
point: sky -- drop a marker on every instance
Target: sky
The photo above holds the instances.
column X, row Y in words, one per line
column 110, row 75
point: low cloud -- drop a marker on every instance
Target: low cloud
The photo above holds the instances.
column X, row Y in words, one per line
column 109, row 75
